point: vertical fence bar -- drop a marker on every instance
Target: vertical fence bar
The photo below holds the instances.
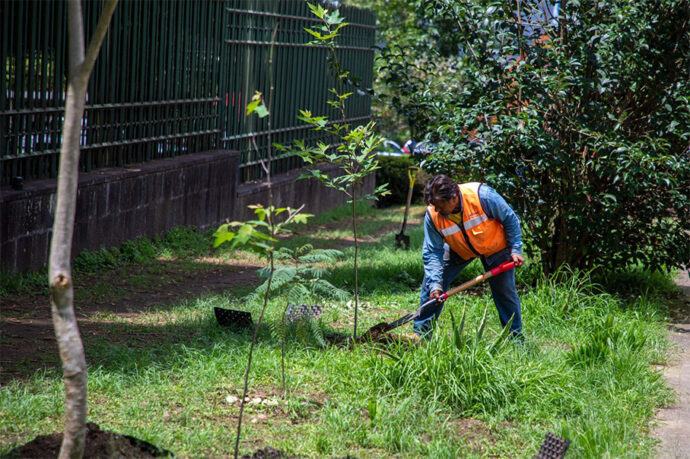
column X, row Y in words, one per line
column 5, row 60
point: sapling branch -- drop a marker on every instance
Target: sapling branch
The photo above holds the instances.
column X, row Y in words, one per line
column 251, row 353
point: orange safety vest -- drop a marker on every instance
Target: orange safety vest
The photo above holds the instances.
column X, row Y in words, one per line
column 477, row 235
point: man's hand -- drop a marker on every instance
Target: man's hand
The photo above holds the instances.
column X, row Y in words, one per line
column 436, row 295
column 518, row 259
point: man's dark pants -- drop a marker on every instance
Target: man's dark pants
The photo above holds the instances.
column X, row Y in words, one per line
column 502, row 286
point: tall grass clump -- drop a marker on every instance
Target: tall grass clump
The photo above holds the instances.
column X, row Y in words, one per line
column 586, row 367
column 463, row 369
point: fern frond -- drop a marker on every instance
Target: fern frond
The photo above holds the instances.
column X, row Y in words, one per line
column 283, row 253
column 276, row 327
column 325, row 288
column 298, row 293
column 282, row 276
column 314, row 273
column 317, row 333
column 305, row 249
column 321, row 256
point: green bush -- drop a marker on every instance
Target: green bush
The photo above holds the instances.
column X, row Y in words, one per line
column 139, row 251
column 586, row 134
column 98, row 259
column 393, row 170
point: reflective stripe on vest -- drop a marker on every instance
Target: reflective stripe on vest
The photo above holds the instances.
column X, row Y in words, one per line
column 481, row 236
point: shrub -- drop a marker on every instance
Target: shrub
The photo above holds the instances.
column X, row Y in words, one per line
column 96, row 260
column 139, row 251
column 587, row 133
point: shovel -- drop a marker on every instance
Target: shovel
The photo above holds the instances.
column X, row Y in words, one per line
column 384, row 327
column 401, row 239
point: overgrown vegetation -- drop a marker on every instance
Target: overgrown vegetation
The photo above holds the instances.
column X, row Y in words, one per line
column 162, row 375
column 581, row 120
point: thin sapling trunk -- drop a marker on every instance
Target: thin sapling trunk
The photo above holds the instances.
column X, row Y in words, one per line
column 251, row 352
column 69, row 341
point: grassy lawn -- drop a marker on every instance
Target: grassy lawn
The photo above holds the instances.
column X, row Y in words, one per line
column 589, row 369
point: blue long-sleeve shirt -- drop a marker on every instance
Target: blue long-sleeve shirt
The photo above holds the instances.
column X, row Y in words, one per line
column 494, row 207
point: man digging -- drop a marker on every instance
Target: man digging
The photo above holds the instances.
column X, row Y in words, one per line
column 464, row 222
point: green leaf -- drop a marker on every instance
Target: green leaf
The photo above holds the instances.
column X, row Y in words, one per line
column 314, row 33
column 251, row 107
column 317, row 10
column 611, row 197
column 262, row 111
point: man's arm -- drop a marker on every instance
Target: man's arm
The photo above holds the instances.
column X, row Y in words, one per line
column 432, row 255
column 497, row 208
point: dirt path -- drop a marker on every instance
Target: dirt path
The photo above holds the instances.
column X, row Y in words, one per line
column 674, row 421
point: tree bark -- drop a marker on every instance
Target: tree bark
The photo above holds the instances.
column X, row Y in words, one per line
column 67, row 335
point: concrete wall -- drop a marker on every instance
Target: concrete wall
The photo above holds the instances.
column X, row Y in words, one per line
column 116, row 205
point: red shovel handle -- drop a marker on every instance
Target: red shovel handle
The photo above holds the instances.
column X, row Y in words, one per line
column 503, row 267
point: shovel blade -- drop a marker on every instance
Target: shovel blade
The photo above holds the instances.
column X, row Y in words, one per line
column 374, row 332
column 402, row 241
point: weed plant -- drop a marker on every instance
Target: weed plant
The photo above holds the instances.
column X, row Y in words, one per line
column 586, row 372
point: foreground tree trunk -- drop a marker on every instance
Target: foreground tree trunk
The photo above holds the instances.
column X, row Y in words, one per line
column 60, row 272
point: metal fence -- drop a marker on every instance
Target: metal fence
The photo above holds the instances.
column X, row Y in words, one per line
column 173, row 77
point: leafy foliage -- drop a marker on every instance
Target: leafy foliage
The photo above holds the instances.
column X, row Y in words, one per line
column 301, row 279
column 415, row 57
column 583, row 121
column 354, row 147
column 259, row 235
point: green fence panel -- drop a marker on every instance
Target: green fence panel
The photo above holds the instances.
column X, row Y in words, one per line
column 173, row 77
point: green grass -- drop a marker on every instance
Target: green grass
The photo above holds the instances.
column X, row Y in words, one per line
column 180, row 243
column 586, row 372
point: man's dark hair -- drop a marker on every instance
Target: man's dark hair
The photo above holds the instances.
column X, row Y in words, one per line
column 440, row 188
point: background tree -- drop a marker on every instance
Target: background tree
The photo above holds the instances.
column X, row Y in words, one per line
column 60, row 272
column 582, row 121
column 415, row 58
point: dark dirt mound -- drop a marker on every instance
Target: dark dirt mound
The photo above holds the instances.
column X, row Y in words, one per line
column 99, row 444
column 376, row 334
column 267, row 453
